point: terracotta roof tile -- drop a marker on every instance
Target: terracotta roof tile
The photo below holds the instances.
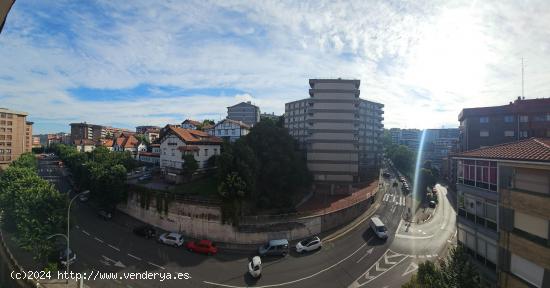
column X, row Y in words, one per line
column 194, row 136
column 532, row 149
column 192, row 122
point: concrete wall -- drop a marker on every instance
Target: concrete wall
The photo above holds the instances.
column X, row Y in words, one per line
column 202, row 221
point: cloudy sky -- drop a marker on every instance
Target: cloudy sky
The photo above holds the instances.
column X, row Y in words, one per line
column 128, row 63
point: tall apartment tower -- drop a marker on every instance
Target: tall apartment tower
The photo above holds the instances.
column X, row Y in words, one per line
column 339, row 131
column 15, row 136
column 245, row 112
column 88, row 131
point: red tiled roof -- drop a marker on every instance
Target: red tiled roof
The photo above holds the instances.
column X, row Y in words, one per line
column 193, row 136
column 192, row 122
column 107, row 143
column 532, row 149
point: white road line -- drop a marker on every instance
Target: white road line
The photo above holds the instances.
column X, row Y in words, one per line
column 158, row 266
column 429, row 256
column 85, row 232
column 293, row 281
column 98, row 240
column 413, row 237
column 135, row 257
column 113, row 247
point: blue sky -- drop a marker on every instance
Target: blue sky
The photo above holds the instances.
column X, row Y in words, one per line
column 130, row 63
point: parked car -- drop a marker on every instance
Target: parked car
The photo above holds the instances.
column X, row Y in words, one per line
column 63, row 256
column 274, row 248
column 106, row 215
column 202, row 246
column 255, row 267
column 309, row 244
column 378, row 227
column 145, row 231
column 145, row 177
column 84, row 197
column 174, row 239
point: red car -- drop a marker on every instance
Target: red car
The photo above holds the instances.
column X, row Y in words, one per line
column 202, row 246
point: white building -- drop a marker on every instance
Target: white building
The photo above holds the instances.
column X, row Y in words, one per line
column 128, row 142
column 84, row 145
column 230, row 130
column 190, row 124
column 151, row 157
column 177, row 142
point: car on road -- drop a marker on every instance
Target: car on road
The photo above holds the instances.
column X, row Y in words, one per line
column 432, row 204
column 202, row 246
column 309, row 244
column 378, row 227
column 106, row 215
column 145, row 231
column 63, row 256
column 274, row 248
column 255, row 267
column 171, row 238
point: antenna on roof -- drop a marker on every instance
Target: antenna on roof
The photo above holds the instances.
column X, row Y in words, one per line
column 522, row 80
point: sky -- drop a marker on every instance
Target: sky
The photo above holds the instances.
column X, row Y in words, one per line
column 130, row 63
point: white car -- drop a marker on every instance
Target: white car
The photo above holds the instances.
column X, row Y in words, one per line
column 174, row 239
column 255, row 267
column 309, row 244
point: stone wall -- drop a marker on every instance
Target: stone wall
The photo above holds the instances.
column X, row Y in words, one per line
column 203, row 221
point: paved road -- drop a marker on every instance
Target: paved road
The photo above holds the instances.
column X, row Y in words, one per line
column 357, row 259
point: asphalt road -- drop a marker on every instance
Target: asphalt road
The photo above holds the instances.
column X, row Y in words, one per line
column 357, row 259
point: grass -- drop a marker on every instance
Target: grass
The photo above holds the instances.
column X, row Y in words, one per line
column 206, row 187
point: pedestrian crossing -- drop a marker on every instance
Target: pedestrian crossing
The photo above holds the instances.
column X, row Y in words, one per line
column 394, row 199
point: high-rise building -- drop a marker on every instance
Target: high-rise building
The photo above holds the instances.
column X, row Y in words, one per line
column 245, row 112
column 503, row 217
column 521, row 119
column 340, row 132
column 88, row 131
column 439, row 143
column 143, row 129
column 15, row 136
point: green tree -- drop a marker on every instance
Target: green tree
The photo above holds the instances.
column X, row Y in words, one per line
column 13, row 182
column 402, row 157
column 27, row 160
column 107, row 184
column 232, row 190
column 454, row 272
column 190, row 165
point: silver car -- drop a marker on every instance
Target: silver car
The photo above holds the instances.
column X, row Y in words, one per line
column 173, row 239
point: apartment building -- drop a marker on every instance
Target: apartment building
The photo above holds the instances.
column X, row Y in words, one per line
column 439, row 143
column 88, row 131
column 143, row 129
column 15, row 136
column 245, row 112
column 503, row 217
column 340, row 133
column 520, row 119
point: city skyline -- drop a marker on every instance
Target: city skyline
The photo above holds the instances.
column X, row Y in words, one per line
column 126, row 66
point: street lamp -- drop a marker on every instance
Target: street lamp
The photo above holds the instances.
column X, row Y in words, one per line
column 68, row 226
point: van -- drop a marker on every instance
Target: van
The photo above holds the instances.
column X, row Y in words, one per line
column 378, row 227
column 274, row 248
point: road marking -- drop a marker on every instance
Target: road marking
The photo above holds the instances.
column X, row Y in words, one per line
column 421, row 256
column 380, row 269
column 135, row 257
column 411, row 268
column 158, row 266
column 356, row 284
column 98, row 240
column 413, row 237
column 429, row 256
column 113, row 247
column 293, row 281
column 366, row 254
column 85, row 232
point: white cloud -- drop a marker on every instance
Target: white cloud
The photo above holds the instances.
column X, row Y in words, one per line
column 424, row 61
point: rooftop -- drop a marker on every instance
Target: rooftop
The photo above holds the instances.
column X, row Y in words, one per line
column 517, row 106
column 6, row 110
column 532, row 149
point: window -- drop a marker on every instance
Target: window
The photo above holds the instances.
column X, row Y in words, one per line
column 215, row 151
column 484, row 119
column 487, row 170
column 9, row 123
column 531, row 180
column 509, row 133
column 484, row 133
column 523, row 134
column 509, row 119
column 205, row 152
column 530, row 224
column 523, row 118
column 526, row 270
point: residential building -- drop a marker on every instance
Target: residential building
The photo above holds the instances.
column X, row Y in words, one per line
column 107, row 143
column 340, row 132
column 177, row 142
column 112, row 132
column 128, row 142
column 503, row 218
column 230, row 130
column 191, row 124
column 15, row 136
column 487, row 126
column 88, row 131
column 36, row 142
column 152, row 134
column 84, row 145
column 245, row 112
column 143, row 129
column 438, row 144
column 152, row 156
column 48, row 139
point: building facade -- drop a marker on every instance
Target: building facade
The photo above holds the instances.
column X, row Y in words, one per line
column 15, row 136
column 439, row 144
column 503, row 217
column 521, row 119
column 190, row 124
column 88, row 131
column 143, row 129
column 177, row 142
column 340, row 133
column 230, row 130
column 245, row 112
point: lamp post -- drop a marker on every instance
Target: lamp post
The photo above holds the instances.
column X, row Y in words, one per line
column 67, row 237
